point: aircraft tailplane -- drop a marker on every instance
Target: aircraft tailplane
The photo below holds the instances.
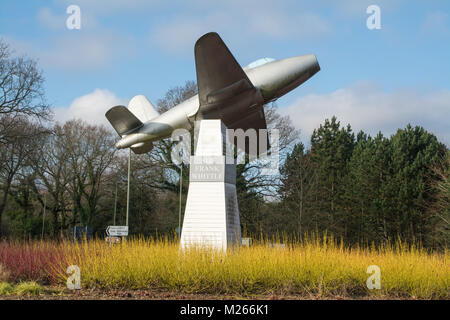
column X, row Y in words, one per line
column 123, row 120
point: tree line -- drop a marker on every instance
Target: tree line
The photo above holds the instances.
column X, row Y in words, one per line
column 54, row 176
column 365, row 189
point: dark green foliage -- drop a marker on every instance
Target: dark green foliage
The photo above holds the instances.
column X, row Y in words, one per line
column 331, row 149
column 369, row 189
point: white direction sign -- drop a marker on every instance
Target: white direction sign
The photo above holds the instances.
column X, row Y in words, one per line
column 117, row 231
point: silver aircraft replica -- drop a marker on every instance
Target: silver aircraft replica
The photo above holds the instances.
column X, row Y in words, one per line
column 225, row 91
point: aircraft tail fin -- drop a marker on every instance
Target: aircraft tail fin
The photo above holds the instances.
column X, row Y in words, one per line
column 142, row 108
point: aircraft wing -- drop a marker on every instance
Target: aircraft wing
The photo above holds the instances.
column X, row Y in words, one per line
column 216, row 67
column 225, row 92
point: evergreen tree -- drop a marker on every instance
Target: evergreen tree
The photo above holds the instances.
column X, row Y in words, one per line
column 414, row 153
column 331, row 148
column 365, row 194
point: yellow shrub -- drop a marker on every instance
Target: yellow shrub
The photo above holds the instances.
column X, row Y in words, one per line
column 317, row 266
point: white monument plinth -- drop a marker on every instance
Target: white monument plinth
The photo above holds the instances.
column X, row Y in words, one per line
column 211, row 218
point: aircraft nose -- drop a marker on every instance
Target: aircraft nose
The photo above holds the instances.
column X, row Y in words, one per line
column 315, row 67
column 306, row 63
column 280, row 77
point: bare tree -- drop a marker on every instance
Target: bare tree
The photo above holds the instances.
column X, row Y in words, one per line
column 14, row 156
column 21, row 92
column 91, row 153
column 266, row 185
column 51, row 167
column 71, row 168
column 161, row 172
column 440, row 209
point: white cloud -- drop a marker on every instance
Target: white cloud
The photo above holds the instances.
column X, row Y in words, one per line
column 75, row 51
column 180, row 35
column 106, row 7
column 84, row 51
column 357, row 8
column 285, row 24
column 260, row 21
column 366, row 107
column 90, row 107
column 48, row 19
column 89, row 49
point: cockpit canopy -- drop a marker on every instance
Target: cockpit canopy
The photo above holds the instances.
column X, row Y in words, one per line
column 258, row 63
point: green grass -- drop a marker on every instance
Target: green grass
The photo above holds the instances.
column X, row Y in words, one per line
column 5, row 288
column 30, row 288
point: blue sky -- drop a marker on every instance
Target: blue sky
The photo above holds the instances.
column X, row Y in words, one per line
column 373, row 79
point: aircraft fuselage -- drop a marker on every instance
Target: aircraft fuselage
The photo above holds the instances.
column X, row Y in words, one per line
column 272, row 80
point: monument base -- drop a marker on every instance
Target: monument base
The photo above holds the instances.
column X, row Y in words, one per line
column 211, row 217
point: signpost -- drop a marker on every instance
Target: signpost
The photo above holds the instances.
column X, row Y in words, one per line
column 117, row 231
